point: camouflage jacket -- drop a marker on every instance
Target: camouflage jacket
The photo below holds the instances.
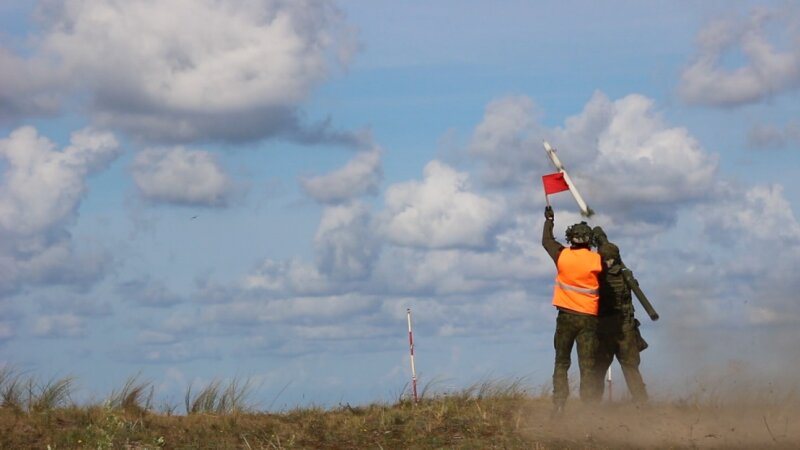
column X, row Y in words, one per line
column 616, row 300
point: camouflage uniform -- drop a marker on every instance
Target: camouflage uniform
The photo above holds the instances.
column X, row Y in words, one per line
column 571, row 327
column 618, row 330
column 580, row 329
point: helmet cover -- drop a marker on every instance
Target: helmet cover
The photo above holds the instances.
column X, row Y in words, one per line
column 580, row 233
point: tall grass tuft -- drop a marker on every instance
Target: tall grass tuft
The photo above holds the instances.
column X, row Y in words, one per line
column 215, row 398
column 55, row 393
column 11, row 389
column 135, row 396
column 511, row 388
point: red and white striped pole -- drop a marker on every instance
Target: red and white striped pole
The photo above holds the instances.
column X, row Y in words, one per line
column 411, row 350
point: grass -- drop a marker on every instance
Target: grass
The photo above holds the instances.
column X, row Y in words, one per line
column 215, row 398
column 135, row 396
column 219, row 416
column 489, row 414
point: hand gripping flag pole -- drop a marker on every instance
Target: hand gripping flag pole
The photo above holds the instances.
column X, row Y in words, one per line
column 411, row 351
column 567, row 182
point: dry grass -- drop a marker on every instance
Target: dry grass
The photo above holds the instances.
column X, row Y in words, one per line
column 489, row 414
column 215, row 398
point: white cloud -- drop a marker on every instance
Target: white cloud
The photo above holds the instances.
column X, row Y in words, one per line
column 181, row 176
column 759, row 213
column 643, row 160
column 292, row 277
column 420, row 272
column 60, row 325
column 771, row 136
column 439, row 211
column 180, row 70
column 757, row 226
column 41, row 191
column 508, row 141
column 730, row 262
column 626, row 160
column 361, row 175
column 345, row 244
column 769, row 68
column 10, row 319
column 515, row 260
column 148, row 292
column 43, row 186
column 27, row 87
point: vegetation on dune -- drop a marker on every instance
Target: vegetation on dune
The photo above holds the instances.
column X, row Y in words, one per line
column 41, row 415
column 489, row 414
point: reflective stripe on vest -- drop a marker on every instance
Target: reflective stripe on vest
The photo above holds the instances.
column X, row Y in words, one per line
column 576, row 289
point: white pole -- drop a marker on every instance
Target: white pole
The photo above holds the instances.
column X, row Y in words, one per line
column 411, row 350
column 608, row 378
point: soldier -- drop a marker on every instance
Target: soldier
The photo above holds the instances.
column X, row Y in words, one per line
column 618, row 330
column 576, row 297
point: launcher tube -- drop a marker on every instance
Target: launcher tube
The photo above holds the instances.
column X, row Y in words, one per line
column 551, row 152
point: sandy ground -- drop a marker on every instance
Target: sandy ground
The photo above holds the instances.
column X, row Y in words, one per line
column 669, row 425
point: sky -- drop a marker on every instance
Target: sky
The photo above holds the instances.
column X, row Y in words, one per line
column 194, row 190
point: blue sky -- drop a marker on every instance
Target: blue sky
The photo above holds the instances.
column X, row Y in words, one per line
column 262, row 190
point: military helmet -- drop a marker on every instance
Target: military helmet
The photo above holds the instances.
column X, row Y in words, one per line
column 608, row 251
column 580, row 233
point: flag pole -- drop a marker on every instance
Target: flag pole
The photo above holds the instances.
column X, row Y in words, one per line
column 411, row 351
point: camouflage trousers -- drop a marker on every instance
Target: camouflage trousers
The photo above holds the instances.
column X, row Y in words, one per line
column 571, row 329
column 624, row 342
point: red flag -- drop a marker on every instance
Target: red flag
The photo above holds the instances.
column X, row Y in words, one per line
column 554, row 182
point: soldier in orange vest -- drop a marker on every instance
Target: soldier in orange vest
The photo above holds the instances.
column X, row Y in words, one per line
column 576, row 296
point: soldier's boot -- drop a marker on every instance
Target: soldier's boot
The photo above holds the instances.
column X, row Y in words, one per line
column 636, row 386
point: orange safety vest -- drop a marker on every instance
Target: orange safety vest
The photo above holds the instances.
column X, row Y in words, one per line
column 577, row 287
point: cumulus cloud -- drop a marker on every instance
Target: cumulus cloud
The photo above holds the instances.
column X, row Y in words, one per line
column 148, row 292
column 361, row 175
column 42, row 185
column 282, row 278
column 80, row 305
column 27, row 87
column 637, row 167
column 761, row 236
column 439, row 212
column 41, row 191
column 237, row 70
column 759, row 213
column 645, row 167
column 181, row 176
column 507, row 140
column 59, row 326
column 11, row 319
column 765, row 136
column 768, row 67
column 345, row 244
column 474, row 262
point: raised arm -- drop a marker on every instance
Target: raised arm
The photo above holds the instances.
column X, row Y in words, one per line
column 549, row 242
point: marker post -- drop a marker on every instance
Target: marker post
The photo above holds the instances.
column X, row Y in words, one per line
column 411, row 351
